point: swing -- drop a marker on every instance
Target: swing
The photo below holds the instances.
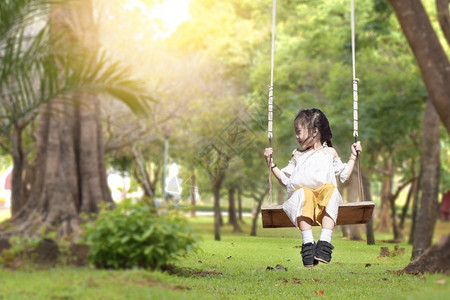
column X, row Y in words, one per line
column 273, row 216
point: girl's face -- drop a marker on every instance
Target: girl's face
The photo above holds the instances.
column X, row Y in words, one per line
column 304, row 138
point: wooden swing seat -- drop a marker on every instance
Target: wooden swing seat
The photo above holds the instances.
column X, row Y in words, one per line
column 273, row 216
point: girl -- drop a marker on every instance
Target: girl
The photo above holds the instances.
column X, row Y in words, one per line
column 310, row 180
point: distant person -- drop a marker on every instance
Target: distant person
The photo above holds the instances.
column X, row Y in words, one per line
column 310, row 181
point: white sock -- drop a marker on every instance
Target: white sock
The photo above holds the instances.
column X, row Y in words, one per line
column 325, row 235
column 307, row 236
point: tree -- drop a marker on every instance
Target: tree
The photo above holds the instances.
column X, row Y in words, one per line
column 427, row 215
column 428, row 51
column 435, row 68
column 68, row 174
column 232, row 183
column 26, row 62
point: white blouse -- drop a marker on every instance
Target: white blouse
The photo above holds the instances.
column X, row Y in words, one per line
column 313, row 169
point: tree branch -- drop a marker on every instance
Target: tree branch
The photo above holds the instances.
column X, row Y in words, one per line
column 444, row 17
column 401, row 187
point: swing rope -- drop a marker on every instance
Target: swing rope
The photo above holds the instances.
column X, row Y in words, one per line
column 355, row 100
column 270, row 113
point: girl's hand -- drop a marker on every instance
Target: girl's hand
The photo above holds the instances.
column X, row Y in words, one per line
column 356, row 149
column 268, row 152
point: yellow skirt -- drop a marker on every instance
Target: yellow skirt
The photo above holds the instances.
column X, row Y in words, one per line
column 316, row 201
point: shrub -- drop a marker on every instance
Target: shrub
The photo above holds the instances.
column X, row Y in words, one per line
column 132, row 236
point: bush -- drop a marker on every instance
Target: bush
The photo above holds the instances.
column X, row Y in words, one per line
column 132, row 236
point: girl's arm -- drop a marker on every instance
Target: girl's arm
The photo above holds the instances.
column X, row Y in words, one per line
column 277, row 173
column 355, row 148
column 268, row 152
column 344, row 170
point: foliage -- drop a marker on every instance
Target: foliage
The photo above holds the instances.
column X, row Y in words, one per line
column 133, row 236
column 121, row 163
column 24, row 54
column 33, row 72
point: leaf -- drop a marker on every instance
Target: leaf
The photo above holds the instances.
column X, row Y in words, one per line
column 148, row 233
column 148, row 250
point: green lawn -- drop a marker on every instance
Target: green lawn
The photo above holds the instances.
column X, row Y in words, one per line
column 235, row 268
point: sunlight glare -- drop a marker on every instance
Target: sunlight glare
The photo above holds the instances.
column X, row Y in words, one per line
column 170, row 13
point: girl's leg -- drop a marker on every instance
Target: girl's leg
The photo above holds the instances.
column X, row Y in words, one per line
column 324, row 248
column 327, row 228
column 327, row 222
column 305, row 225
column 308, row 245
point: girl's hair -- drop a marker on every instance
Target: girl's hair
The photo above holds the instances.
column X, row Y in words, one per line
column 315, row 118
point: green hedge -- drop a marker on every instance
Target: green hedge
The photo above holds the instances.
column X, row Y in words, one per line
column 132, row 236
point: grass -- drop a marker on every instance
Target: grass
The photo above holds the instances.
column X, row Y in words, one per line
column 235, row 268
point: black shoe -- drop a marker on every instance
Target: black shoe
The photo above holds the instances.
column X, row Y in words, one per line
column 323, row 251
column 307, row 253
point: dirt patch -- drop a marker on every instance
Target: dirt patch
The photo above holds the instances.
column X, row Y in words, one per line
column 4, row 245
column 47, row 253
column 188, row 272
column 300, row 280
column 162, row 285
column 80, row 254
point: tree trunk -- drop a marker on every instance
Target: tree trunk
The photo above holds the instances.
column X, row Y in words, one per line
column 91, row 177
column 220, row 213
column 232, row 220
column 369, row 226
column 217, row 213
column 143, row 175
column 256, row 212
column 386, row 191
column 352, row 196
column 231, row 206
column 398, row 234
column 345, row 230
column 240, row 205
column 436, row 259
column 258, row 196
column 18, row 199
column 405, row 207
column 411, row 193
column 429, row 53
column 427, row 216
column 414, row 209
column 193, row 194
column 343, row 187
column 69, row 161
column 444, row 17
column 217, row 179
column 147, row 175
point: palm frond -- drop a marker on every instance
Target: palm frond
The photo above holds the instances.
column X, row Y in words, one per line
column 97, row 73
column 32, row 73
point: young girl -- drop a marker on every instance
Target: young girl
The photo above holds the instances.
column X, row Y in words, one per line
column 310, row 181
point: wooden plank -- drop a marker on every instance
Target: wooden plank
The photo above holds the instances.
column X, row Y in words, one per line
column 273, row 216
